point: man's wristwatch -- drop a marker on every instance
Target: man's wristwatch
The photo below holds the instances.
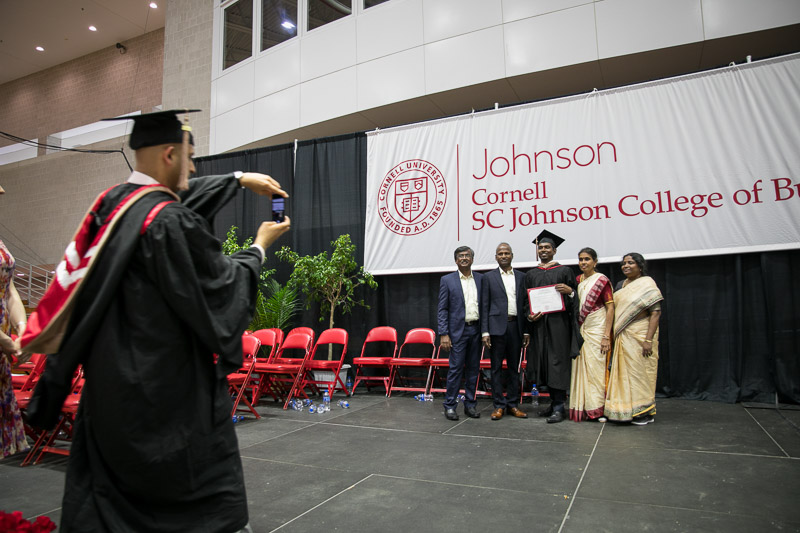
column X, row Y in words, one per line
column 238, row 175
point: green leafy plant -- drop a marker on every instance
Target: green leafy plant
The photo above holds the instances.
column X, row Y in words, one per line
column 331, row 281
column 229, row 247
column 280, row 305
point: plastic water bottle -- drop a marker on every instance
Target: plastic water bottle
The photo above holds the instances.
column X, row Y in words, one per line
column 349, row 385
column 427, row 397
column 307, row 402
column 297, row 405
column 535, row 396
column 238, row 418
column 311, row 408
column 321, row 409
column 420, row 397
column 344, row 404
column 326, row 401
column 460, row 398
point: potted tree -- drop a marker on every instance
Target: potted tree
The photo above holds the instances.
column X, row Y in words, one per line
column 331, row 281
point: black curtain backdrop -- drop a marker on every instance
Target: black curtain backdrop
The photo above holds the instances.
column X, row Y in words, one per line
column 729, row 327
column 248, row 210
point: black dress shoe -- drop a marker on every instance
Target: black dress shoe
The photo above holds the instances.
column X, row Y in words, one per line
column 556, row 417
column 471, row 412
column 451, row 414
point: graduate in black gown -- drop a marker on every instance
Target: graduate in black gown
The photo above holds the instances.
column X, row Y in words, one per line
column 553, row 338
column 154, row 446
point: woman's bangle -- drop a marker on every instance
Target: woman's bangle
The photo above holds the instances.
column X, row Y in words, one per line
column 648, row 340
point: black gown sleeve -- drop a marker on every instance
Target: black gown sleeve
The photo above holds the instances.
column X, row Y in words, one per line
column 214, row 294
column 208, row 194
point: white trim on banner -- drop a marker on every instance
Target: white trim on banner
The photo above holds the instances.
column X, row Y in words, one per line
column 701, row 164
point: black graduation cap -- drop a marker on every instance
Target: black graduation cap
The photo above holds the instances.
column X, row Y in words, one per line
column 546, row 236
column 161, row 127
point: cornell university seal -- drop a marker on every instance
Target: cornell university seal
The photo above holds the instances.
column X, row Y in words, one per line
column 411, row 197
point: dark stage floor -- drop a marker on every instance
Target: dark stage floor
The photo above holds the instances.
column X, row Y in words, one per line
column 399, row 465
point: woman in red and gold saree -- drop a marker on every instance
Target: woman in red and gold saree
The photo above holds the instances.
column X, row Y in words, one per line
column 589, row 370
column 631, row 395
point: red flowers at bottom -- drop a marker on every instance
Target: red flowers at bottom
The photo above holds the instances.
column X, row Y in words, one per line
column 15, row 523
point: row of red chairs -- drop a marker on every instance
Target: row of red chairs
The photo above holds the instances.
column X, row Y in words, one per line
column 44, row 441
column 284, row 368
column 397, row 359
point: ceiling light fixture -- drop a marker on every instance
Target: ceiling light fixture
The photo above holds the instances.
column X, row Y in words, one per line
column 92, row 28
column 153, row 5
column 39, row 49
column 288, row 25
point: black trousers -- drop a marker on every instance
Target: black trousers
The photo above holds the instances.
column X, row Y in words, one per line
column 465, row 357
column 506, row 347
column 558, row 398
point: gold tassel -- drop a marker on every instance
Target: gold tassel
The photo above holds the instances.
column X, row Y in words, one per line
column 185, row 150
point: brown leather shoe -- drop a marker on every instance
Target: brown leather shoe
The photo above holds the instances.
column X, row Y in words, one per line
column 513, row 411
column 497, row 414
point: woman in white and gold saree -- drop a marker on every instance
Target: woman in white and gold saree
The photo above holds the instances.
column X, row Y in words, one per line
column 632, row 382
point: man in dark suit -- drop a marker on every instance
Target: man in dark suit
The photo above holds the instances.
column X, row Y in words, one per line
column 459, row 314
column 503, row 325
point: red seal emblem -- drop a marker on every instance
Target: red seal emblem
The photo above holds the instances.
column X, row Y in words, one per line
column 412, row 197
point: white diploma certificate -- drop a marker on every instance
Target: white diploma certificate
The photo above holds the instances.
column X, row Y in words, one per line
column 545, row 300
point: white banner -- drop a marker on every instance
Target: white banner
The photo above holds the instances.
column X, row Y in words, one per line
column 697, row 165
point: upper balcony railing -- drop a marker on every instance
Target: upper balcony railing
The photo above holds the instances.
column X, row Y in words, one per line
column 31, row 281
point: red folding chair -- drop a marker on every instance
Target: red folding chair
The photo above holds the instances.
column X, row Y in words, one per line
column 335, row 338
column 269, row 343
column 269, row 347
column 523, row 364
column 279, row 337
column 418, row 336
column 486, row 364
column 45, row 442
column 242, row 380
column 303, row 329
column 281, row 376
column 24, row 391
column 438, row 362
column 382, row 334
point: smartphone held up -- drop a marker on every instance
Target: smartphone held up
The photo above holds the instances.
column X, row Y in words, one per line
column 278, row 208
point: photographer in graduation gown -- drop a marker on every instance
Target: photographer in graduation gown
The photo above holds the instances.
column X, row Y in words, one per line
column 154, row 446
